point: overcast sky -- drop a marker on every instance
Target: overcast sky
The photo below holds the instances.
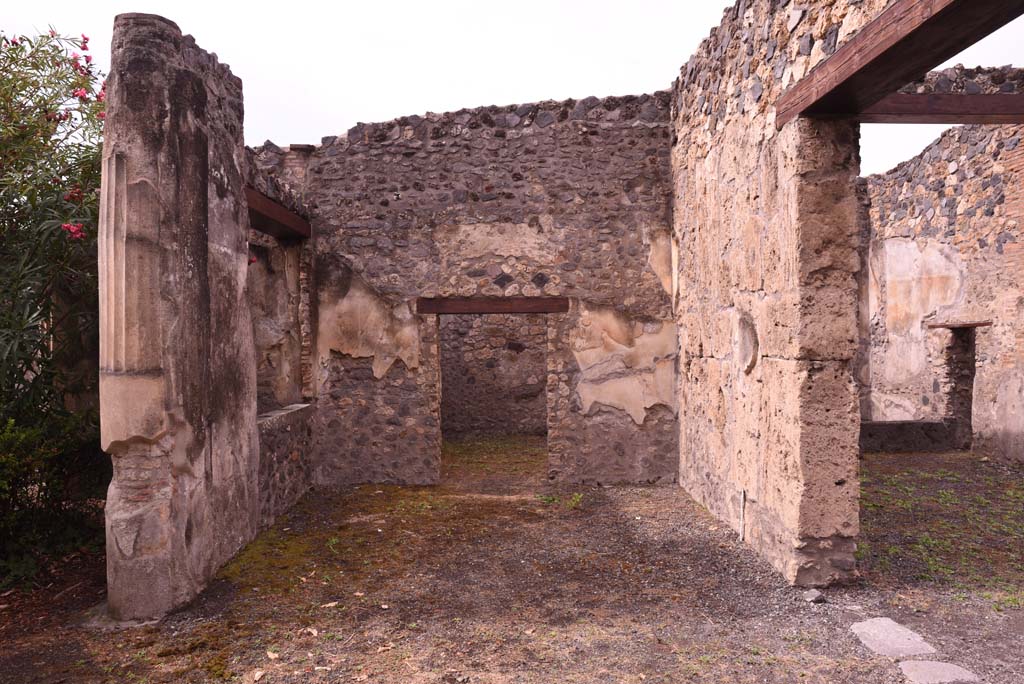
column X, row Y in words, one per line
column 315, row 69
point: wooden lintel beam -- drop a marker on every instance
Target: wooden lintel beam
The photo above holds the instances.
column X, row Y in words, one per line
column 900, row 46
column 491, row 305
column 273, row 218
column 959, row 325
column 945, row 108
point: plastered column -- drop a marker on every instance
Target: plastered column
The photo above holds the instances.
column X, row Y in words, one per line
column 177, row 367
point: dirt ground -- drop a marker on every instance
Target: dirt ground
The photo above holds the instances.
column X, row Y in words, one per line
column 496, row 577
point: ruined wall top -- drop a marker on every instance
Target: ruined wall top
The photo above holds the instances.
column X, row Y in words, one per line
column 959, row 79
column 761, row 48
column 434, row 126
column 262, row 174
column 553, row 198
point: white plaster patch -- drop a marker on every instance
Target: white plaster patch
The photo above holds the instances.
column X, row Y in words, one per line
column 627, row 365
column 472, row 241
column 919, row 277
column 362, row 324
column 660, row 258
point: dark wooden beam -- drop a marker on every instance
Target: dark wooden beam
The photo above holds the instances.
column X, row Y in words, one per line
column 900, row 46
column 273, row 218
column 945, row 108
column 959, row 325
column 491, row 305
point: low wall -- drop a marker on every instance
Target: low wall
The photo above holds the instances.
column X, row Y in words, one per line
column 286, row 459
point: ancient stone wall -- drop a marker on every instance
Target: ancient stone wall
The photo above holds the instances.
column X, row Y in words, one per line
column 946, row 247
column 178, row 381
column 555, row 198
column 286, row 458
column 610, row 397
column 766, row 229
column 494, row 374
column 378, row 377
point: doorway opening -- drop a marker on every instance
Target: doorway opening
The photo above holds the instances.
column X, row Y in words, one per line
column 936, row 507
column 494, row 401
column 943, row 402
column 494, row 414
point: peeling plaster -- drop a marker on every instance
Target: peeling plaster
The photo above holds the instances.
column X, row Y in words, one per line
column 362, row 324
column 920, row 279
column 627, row 365
column 521, row 240
column 661, row 259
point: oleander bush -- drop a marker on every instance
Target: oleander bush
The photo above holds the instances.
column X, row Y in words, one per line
column 51, row 467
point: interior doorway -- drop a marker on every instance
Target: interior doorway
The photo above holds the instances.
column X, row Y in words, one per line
column 951, row 399
column 494, row 391
column 493, row 375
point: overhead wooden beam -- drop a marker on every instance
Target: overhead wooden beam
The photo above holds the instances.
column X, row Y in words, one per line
column 491, row 305
column 273, row 218
column 959, row 325
column 900, row 46
column 945, row 108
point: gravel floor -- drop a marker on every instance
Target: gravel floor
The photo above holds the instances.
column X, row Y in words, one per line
column 496, row 577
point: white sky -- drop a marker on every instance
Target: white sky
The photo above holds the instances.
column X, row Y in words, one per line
column 312, row 70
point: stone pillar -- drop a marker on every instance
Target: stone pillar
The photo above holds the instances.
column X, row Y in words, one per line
column 177, row 362
column 825, row 165
column 767, row 225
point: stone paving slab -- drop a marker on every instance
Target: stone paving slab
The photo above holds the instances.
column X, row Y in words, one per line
column 932, row 672
column 889, row 638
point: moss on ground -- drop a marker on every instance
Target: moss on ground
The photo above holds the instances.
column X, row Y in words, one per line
column 951, row 518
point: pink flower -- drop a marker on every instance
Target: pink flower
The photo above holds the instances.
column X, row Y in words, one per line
column 102, row 115
column 80, row 93
column 75, row 56
column 53, row 34
column 75, row 231
column 85, row 42
column 14, row 41
column 101, row 96
column 88, row 59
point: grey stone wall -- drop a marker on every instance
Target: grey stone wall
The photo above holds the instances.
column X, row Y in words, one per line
column 378, row 378
column 555, row 198
column 286, row 458
column 977, row 81
column 493, row 374
column 611, row 398
column 946, row 246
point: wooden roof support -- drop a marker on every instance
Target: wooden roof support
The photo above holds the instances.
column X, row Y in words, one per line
column 900, row 46
column 491, row 305
column 271, row 217
column 944, row 108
